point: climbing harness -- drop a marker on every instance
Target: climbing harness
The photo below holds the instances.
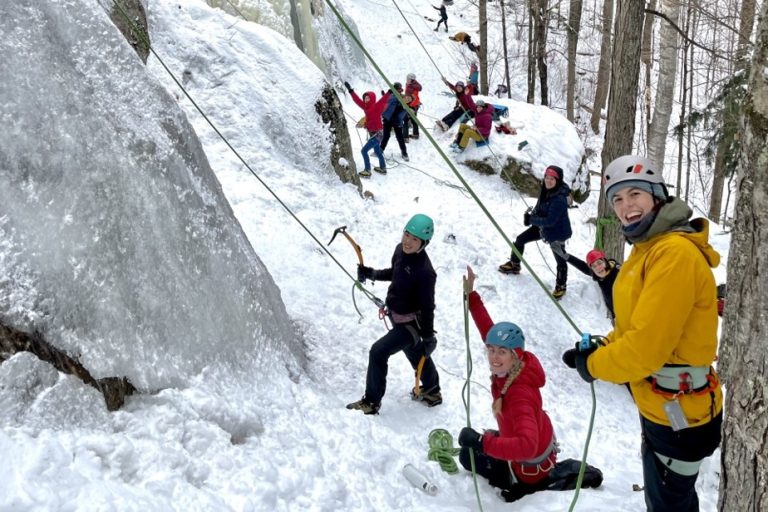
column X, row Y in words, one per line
column 674, row 380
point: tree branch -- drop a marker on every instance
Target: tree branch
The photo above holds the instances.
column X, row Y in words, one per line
column 685, row 36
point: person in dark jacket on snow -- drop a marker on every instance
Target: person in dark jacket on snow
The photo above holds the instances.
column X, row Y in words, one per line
column 443, row 17
column 393, row 118
column 373, row 123
column 411, row 306
column 602, row 270
column 464, row 103
column 521, row 456
column 547, row 221
column 481, row 131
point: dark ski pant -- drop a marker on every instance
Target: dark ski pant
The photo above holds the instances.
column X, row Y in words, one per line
column 388, row 127
column 532, row 234
column 454, row 115
column 443, row 21
column 665, row 490
column 407, row 123
column 402, row 337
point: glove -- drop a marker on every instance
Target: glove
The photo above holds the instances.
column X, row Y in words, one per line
column 364, row 273
column 349, row 87
column 428, row 345
column 577, row 359
column 527, row 219
column 471, row 438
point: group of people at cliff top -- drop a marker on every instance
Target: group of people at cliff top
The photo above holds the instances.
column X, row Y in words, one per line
column 387, row 114
column 662, row 345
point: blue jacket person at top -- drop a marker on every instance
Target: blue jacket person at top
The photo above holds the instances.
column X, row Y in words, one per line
column 411, row 306
column 665, row 337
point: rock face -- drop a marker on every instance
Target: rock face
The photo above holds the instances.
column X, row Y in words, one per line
column 130, row 18
column 330, row 111
column 117, row 245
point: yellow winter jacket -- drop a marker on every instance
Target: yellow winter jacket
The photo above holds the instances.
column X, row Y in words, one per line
column 665, row 314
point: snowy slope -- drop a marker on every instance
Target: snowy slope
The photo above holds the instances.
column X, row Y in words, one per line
column 220, row 444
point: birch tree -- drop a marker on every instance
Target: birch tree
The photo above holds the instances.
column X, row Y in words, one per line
column 662, row 108
column 483, row 54
column 743, row 359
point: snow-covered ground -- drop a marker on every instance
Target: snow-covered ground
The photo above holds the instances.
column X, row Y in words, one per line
column 253, row 442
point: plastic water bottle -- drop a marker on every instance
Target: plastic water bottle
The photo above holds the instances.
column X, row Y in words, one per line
column 418, row 480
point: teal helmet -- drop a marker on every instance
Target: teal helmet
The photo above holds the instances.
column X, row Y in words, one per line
column 421, row 227
column 507, row 335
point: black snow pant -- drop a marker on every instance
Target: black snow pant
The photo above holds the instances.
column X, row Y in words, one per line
column 454, row 115
column 402, row 337
column 444, row 21
column 388, row 127
column 407, row 123
column 666, row 490
column 532, row 234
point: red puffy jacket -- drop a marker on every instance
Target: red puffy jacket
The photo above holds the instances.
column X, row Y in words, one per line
column 525, row 430
column 373, row 109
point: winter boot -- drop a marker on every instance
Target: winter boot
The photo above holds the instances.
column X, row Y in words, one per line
column 458, row 149
column 559, row 291
column 415, row 136
column 405, row 157
column 443, row 127
column 510, row 267
column 365, row 406
column 365, row 173
column 430, row 398
column 380, row 170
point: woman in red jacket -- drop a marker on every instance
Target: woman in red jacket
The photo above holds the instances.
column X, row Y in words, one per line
column 521, row 454
column 375, row 126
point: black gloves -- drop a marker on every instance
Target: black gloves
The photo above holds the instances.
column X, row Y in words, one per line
column 364, row 273
column 349, row 87
column 527, row 218
column 428, row 345
column 471, row 438
column 577, row 359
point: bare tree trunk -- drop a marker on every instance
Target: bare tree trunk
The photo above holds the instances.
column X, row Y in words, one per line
column 622, row 106
column 541, row 19
column 604, row 68
column 530, row 97
column 744, row 346
column 506, row 55
column 483, row 55
column 574, row 27
column 662, row 109
column 726, row 146
column 683, row 104
column 646, row 57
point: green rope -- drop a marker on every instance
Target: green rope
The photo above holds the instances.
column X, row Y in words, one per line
column 442, row 451
column 602, row 223
column 465, row 396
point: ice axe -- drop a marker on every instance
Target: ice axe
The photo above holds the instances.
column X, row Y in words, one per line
column 343, row 231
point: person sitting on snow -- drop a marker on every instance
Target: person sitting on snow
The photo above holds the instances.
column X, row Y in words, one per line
column 520, row 457
column 464, row 104
column 464, row 38
column 482, row 130
column 602, row 270
column 410, row 303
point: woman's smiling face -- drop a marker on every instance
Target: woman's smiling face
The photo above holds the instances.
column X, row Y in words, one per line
column 500, row 359
column 632, row 204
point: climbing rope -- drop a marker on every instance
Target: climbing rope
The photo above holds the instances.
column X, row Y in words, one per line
column 442, row 451
column 465, row 395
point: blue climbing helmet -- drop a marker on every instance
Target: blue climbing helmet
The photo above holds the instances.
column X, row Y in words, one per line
column 421, row 227
column 507, row 335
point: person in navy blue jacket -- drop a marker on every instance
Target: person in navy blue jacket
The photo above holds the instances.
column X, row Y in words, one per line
column 547, row 221
column 393, row 117
column 410, row 305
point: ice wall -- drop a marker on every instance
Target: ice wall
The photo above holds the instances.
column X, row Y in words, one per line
column 116, row 242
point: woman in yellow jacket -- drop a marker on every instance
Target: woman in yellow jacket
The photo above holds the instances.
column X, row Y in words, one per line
column 665, row 337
